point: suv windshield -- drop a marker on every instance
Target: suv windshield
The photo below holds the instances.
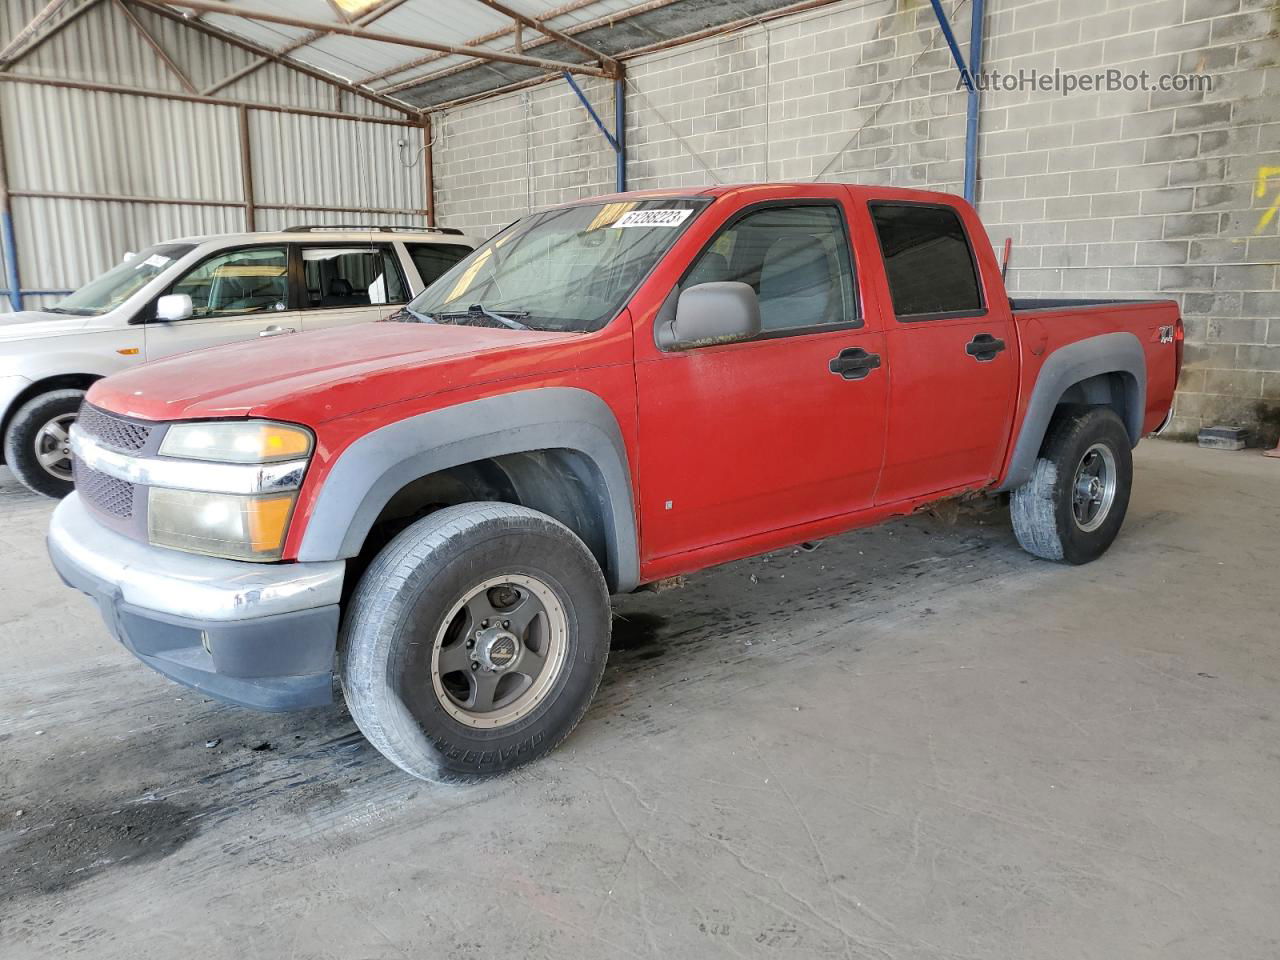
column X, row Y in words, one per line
column 571, row 268
column 121, row 282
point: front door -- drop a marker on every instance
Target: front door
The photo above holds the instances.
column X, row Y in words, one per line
column 235, row 295
column 955, row 362
column 745, row 438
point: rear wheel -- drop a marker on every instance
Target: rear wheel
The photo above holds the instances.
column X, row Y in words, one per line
column 1072, row 507
column 474, row 641
column 37, row 444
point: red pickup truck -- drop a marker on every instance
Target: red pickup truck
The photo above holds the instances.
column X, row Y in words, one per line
column 605, row 394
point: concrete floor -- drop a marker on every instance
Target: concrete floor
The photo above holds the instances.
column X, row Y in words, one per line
column 914, row 741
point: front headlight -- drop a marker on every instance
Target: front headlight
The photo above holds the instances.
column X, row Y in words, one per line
column 236, row 441
column 219, row 524
column 240, row 517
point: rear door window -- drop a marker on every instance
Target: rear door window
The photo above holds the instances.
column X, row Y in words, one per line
column 350, row 276
column 929, row 261
column 433, row 259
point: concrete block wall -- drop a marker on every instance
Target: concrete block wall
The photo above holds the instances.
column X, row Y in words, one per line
column 1150, row 193
column 1131, row 194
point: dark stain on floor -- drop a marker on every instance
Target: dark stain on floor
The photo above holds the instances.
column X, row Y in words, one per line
column 61, row 848
column 638, row 633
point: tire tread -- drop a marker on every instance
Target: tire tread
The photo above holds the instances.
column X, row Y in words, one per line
column 362, row 666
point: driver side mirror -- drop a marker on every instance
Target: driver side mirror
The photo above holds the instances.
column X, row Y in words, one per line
column 712, row 313
column 174, row 306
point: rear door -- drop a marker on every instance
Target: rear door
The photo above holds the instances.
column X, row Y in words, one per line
column 236, row 294
column 955, row 366
column 746, row 438
column 344, row 283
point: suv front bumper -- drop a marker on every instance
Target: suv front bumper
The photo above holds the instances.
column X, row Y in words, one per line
column 255, row 634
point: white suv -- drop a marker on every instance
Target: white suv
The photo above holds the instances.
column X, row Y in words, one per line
column 192, row 293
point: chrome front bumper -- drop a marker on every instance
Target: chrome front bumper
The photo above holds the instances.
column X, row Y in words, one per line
column 260, row 635
column 184, row 584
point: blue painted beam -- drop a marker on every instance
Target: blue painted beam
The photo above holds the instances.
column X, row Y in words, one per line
column 968, row 73
column 617, row 139
column 950, row 36
column 620, row 130
column 974, row 105
column 573, row 84
column 10, row 260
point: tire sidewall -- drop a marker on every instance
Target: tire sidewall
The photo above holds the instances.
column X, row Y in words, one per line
column 1098, row 426
column 19, row 441
column 423, row 731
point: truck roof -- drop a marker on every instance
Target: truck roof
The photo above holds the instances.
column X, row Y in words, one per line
column 778, row 189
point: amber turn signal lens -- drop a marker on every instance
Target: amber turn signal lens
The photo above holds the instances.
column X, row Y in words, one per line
column 268, row 519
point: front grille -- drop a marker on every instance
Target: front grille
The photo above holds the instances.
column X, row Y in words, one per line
column 104, row 493
column 113, row 431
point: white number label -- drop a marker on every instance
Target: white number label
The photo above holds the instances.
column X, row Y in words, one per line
column 653, row 218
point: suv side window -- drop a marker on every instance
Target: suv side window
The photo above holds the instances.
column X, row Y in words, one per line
column 354, row 276
column 928, row 261
column 795, row 258
column 246, row 280
column 433, row 259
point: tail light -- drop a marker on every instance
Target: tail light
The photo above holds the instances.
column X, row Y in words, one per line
column 1179, row 340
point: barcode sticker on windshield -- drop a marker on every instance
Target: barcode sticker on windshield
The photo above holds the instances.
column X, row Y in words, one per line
column 653, row 218
column 155, row 260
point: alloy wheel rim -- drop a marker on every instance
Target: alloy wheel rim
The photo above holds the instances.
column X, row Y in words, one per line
column 499, row 651
column 53, row 446
column 1093, row 490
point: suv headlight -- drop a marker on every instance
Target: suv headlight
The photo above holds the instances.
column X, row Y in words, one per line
column 246, row 516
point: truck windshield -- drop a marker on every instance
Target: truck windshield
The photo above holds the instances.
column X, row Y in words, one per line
column 571, row 268
column 121, row 282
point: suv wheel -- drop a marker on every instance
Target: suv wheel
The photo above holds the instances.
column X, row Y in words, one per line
column 1072, row 507
column 37, row 446
column 474, row 641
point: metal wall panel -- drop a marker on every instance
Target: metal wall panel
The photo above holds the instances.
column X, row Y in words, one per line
column 64, row 243
column 335, row 163
column 75, row 141
column 86, row 142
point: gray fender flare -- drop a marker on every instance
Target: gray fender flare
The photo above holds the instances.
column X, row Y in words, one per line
column 374, row 468
column 1067, row 366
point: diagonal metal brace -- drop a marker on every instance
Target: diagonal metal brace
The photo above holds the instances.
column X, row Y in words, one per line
column 613, row 141
column 965, row 76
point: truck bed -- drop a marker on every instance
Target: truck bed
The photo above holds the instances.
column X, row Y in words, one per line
column 1031, row 304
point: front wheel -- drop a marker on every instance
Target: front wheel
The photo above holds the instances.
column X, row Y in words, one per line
column 474, row 641
column 37, row 445
column 1072, row 507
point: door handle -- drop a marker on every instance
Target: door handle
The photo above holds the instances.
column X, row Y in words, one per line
column 275, row 330
column 984, row 347
column 854, row 363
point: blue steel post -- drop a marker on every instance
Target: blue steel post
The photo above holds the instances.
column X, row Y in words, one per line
column 620, row 127
column 969, row 77
column 617, row 139
column 971, row 124
column 10, row 259
column 7, row 240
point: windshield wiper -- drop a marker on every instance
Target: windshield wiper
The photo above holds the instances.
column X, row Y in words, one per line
column 407, row 314
column 511, row 319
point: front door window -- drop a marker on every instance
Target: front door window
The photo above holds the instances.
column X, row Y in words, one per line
column 237, row 282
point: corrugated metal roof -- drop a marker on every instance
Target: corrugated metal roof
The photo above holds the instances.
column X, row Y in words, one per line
column 422, row 78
